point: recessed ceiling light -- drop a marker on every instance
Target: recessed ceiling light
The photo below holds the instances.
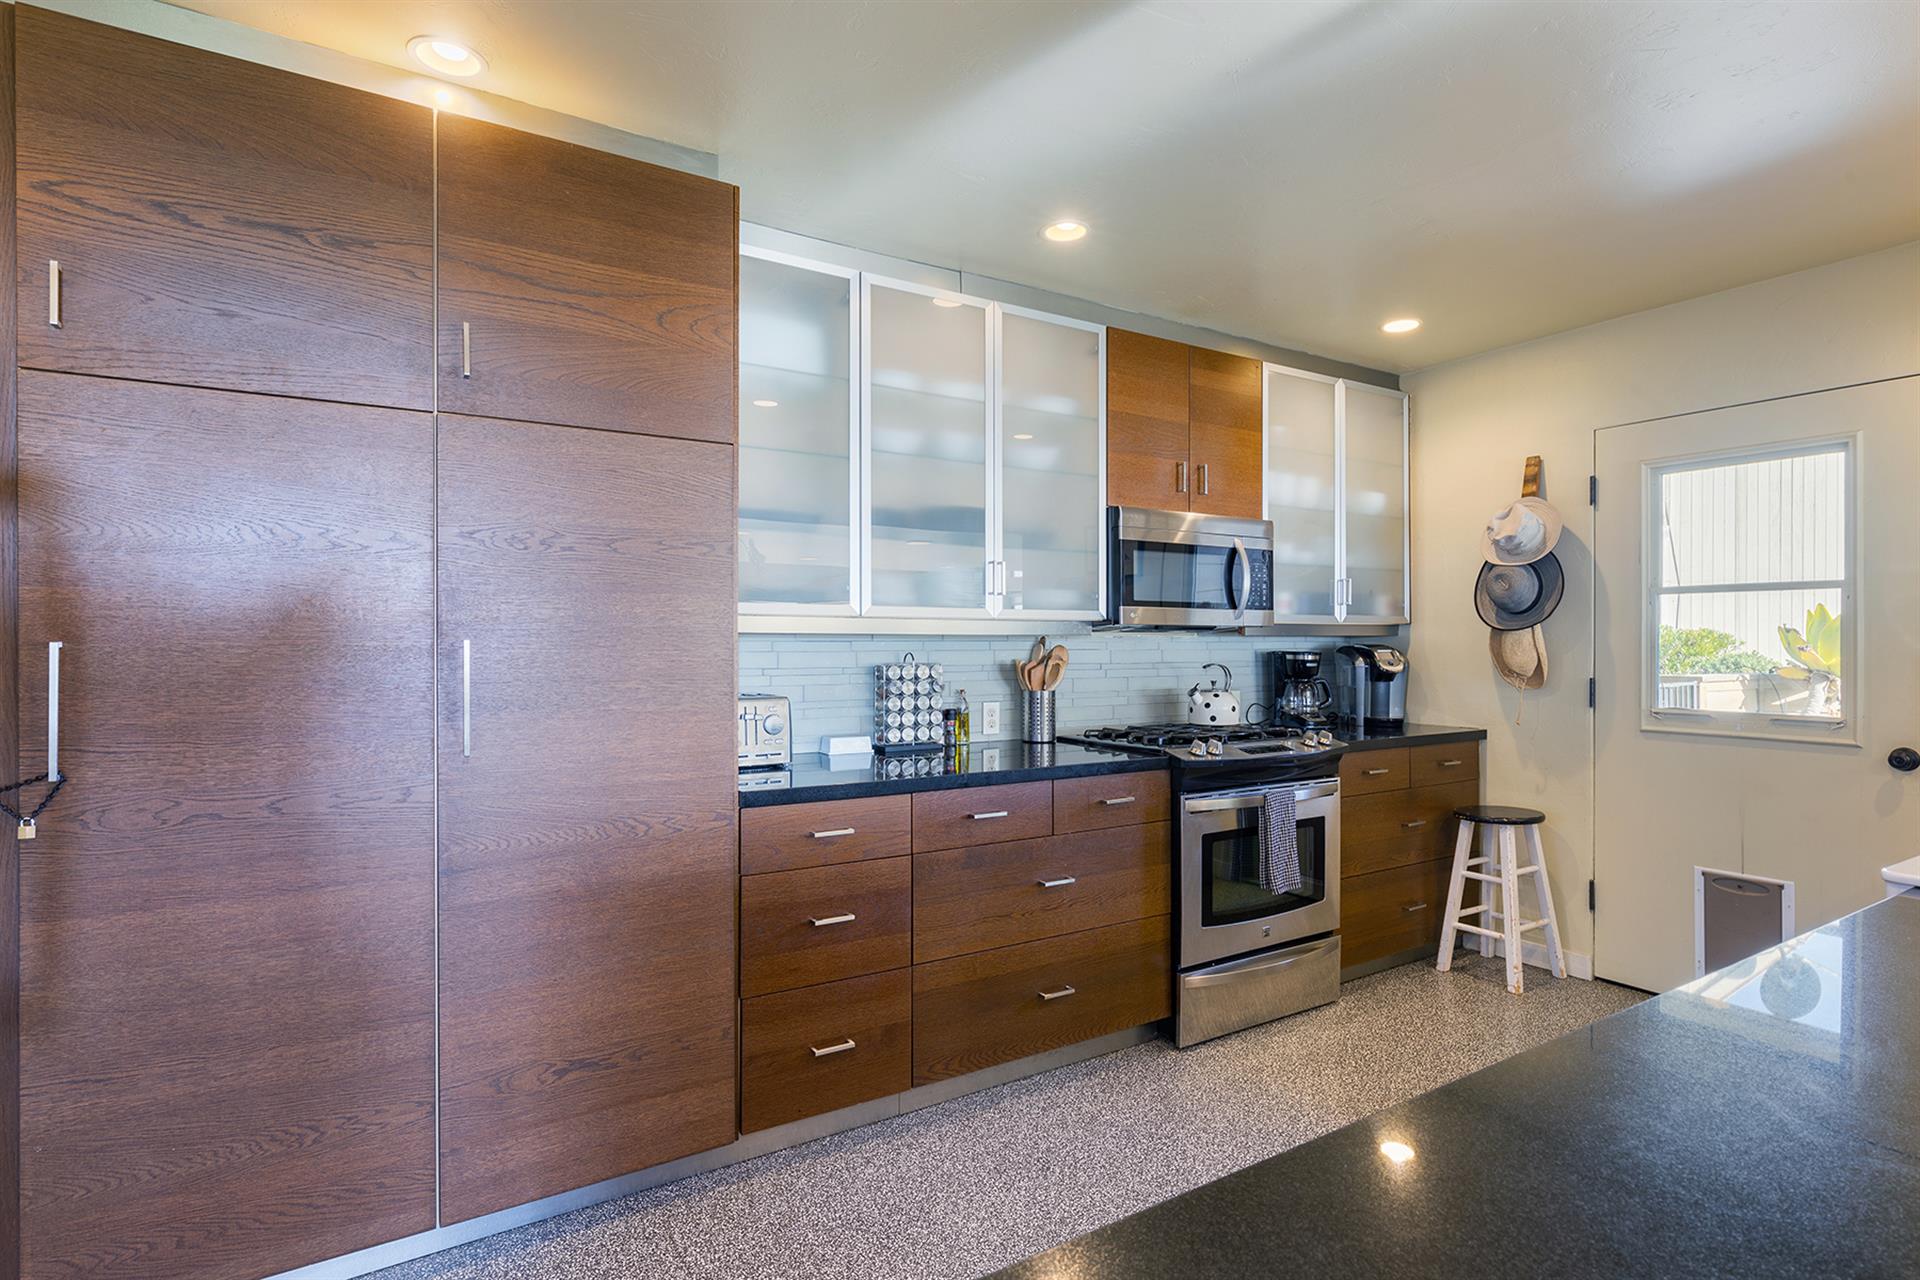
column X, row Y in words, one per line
column 1406, row 324
column 1398, row 1152
column 766, row 404
column 1066, row 231
column 948, row 302
column 443, row 96
column 1023, row 435
column 448, row 57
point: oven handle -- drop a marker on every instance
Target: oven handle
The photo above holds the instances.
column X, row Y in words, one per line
column 1253, row 964
column 1254, row 799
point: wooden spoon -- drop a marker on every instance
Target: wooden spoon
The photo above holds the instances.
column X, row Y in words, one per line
column 1056, row 667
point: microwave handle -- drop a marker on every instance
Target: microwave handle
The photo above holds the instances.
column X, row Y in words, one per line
column 1242, row 579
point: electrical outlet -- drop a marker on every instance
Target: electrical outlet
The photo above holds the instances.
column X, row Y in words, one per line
column 989, row 719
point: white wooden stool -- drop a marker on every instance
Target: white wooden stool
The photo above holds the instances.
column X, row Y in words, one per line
column 1496, row 822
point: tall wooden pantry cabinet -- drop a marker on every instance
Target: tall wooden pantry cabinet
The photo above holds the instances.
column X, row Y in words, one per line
column 392, row 880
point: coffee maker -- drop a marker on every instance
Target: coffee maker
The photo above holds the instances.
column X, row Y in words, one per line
column 1301, row 697
column 1370, row 685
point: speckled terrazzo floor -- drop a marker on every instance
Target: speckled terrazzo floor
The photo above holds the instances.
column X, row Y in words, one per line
column 974, row 1184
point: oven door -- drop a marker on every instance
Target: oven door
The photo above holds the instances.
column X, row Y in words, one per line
column 1224, row 911
column 1180, row 570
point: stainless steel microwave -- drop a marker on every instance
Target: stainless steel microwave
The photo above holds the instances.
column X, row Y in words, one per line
column 1184, row 569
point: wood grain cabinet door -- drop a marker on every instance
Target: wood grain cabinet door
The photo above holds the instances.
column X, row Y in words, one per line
column 588, row 863
column 1147, row 431
column 226, row 942
column 218, row 223
column 1226, row 435
column 583, row 288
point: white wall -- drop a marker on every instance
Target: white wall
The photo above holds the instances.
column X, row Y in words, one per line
column 1475, row 421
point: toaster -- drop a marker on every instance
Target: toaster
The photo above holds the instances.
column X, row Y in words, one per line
column 766, row 731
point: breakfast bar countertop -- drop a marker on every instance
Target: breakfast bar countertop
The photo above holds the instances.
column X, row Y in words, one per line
column 1762, row 1120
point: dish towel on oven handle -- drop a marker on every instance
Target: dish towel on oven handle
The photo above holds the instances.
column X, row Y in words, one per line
column 1279, row 842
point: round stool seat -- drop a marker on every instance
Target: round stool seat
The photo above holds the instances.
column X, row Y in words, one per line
column 1500, row 815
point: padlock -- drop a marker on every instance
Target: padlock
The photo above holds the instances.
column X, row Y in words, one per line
column 27, row 830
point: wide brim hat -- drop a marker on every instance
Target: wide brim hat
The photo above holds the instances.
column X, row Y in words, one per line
column 1513, row 597
column 1520, row 656
column 1523, row 533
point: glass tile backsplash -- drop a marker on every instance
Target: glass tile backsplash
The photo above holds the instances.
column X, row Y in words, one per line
column 1115, row 677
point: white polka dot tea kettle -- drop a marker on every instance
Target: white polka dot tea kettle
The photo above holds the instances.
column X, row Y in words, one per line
column 1215, row 704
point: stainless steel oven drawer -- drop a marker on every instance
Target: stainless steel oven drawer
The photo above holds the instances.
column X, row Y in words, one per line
column 1236, row 994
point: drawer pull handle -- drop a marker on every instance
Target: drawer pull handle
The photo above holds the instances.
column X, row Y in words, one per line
column 1061, row 994
column 1415, row 825
column 1418, row 906
column 1055, row 884
column 1375, row 773
column 819, row 922
column 830, row 1050
column 829, row 835
column 1119, row 800
column 982, row 817
column 53, row 294
column 1451, row 764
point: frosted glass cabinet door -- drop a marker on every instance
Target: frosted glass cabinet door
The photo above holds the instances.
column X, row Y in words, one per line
column 927, row 435
column 797, row 433
column 1302, row 499
column 1052, row 507
column 1376, row 503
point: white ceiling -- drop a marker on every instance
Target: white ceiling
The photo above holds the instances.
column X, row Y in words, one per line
column 1291, row 172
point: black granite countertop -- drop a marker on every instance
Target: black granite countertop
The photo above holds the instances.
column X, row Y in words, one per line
column 814, row 777
column 1763, row 1121
column 1409, row 734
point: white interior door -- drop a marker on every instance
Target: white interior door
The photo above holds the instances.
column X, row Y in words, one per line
column 1715, row 746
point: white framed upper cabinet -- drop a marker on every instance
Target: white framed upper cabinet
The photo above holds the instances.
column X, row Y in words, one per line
column 1303, row 492
column 799, row 454
column 1373, row 504
column 928, row 451
column 1336, row 492
column 1050, row 557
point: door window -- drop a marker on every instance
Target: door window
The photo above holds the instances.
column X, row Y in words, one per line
column 1749, row 565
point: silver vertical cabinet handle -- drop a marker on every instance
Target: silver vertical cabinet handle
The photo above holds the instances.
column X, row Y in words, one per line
column 466, row 697
column 53, row 292
column 1203, row 480
column 1061, row 994
column 1179, row 477
column 821, row 922
column 466, row 349
column 1060, row 883
column 53, row 710
column 829, row 1050
column 1119, row 800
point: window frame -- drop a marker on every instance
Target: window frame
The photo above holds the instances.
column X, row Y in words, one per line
column 1753, row 725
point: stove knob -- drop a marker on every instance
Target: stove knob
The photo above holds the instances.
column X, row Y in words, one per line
column 1199, row 748
column 1215, row 746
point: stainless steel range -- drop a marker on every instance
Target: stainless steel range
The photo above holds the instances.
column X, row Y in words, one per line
column 1248, row 953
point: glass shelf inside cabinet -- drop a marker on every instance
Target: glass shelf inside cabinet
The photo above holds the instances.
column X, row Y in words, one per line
column 796, row 436
column 927, row 465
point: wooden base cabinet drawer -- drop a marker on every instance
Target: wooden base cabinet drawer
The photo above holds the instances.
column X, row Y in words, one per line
column 1449, row 762
column 1392, row 911
column 996, row 895
column 1365, row 772
column 1395, row 828
column 820, row 924
column 981, row 815
column 785, row 837
column 975, row 1011
column 807, row 1052
column 1109, row 800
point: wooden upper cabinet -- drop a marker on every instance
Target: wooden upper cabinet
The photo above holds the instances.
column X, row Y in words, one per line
column 583, row 288
column 1226, row 444
column 588, row 850
column 218, row 223
column 1147, row 432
